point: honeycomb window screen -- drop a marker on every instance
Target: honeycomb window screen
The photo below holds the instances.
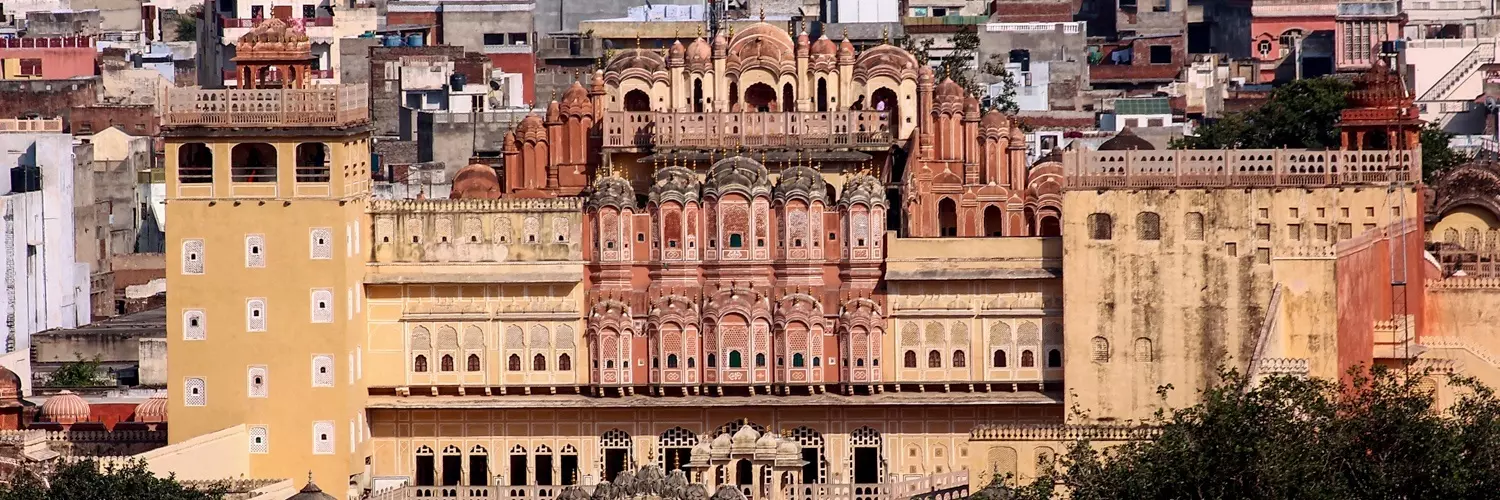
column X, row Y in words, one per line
column 194, row 392
column 1193, row 224
column 255, row 315
column 194, row 325
column 321, row 242
column 1148, row 226
column 322, row 369
column 1101, row 226
column 258, row 382
column 322, row 305
column 255, row 250
column 323, row 437
column 192, row 256
column 260, row 439
column 1099, row 347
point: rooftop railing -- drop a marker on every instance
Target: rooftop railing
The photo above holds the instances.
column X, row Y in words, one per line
column 325, row 106
column 47, row 42
column 1205, row 168
column 748, row 129
column 301, row 22
column 31, row 125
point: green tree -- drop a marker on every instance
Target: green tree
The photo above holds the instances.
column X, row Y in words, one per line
column 1006, row 101
column 81, row 373
column 961, row 61
column 87, row 480
column 1437, row 155
column 1378, row 434
column 186, row 28
column 1301, row 114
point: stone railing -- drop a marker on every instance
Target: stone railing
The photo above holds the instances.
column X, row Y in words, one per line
column 1464, row 283
column 324, row 106
column 1296, row 367
column 471, row 492
column 748, row 129
column 1463, row 345
column 1472, row 264
column 528, row 205
column 1206, row 168
column 31, row 125
column 946, row 485
column 1061, row 432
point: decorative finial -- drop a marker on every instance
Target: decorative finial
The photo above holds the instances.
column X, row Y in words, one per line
column 700, row 31
column 885, row 34
column 762, row 14
column 638, row 39
column 731, row 31
column 309, row 476
column 846, row 32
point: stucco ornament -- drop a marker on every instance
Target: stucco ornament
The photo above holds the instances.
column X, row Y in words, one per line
column 863, row 188
column 728, row 492
column 801, row 182
column 611, row 191
column 674, row 183
column 737, row 174
column 649, row 480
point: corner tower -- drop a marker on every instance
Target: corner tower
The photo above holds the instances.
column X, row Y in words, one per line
column 265, row 312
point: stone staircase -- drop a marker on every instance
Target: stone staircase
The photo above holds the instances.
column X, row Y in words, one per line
column 1481, row 53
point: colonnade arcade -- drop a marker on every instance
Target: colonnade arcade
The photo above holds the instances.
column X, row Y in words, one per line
column 760, row 463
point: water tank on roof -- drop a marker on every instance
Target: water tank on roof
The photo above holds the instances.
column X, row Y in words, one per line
column 392, row 41
column 414, row 40
column 457, row 81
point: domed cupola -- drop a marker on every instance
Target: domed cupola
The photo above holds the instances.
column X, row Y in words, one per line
column 737, row 174
column 674, row 183
column 862, row 188
column 611, row 191
column 801, row 182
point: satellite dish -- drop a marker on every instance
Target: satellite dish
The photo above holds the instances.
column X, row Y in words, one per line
column 1489, row 102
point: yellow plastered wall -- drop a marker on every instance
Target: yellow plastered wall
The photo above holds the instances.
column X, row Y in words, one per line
column 292, row 275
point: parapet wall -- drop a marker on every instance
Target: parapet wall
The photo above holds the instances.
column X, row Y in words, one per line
column 1237, row 168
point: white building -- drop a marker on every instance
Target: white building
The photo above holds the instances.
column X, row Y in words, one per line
column 44, row 286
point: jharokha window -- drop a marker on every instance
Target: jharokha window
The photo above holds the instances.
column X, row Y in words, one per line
column 473, row 362
column 420, row 365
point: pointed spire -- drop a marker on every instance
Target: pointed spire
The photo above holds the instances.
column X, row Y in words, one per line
column 762, row 14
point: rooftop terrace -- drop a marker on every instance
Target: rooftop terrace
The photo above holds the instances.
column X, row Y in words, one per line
column 1205, row 168
column 324, row 106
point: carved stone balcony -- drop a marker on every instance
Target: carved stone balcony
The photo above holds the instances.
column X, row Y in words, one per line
column 325, row 106
column 1204, row 168
column 851, row 129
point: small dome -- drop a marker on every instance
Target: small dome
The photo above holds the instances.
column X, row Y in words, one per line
column 152, row 410
column 676, row 54
column 674, row 183
column 950, row 89
column 789, row 448
column 531, row 129
column 699, row 52
column 865, row 189
column 1126, row 140
column 737, row 174
column 801, row 182
column 824, row 47
column 971, row 107
column 700, row 449
column 846, row 49
column 723, row 442
column 994, row 119
column 476, row 181
column 802, row 44
column 766, row 442
column 575, row 97
column 746, row 436
column 643, row 59
column 925, row 74
column 721, row 44
column 65, row 408
column 612, row 191
column 311, row 492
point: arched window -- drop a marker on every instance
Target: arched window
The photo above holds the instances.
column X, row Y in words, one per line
column 788, row 99
column 671, row 361
column 1099, row 346
column 760, row 97
column 734, row 95
column 934, row 359
column 1148, row 226
column 419, row 365
column 994, row 222
column 692, row 363
column 564, row 362
column 736, row 241
column 1193, row 225
column 637, row 101
column 514, row 363
column 760, row 360
column 655, row 362
column 1101, row 227
column 447, row 363
column 1054, row 359
column 712, row 361
column 948, row 217
column 958, row 359
column 697, row 95
column 817, row 361
column 195, row 164
column 252, row 162
column 313, row 163
column 999, row 361
column 909, row 360
column 473, row 362
column 734, row 360
column 539, row 363
column 797, row 360
column 1050, row 226
column 1028, row 360
column 822, row 94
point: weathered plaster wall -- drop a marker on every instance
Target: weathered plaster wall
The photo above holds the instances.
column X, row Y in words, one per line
column 1172, row 310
